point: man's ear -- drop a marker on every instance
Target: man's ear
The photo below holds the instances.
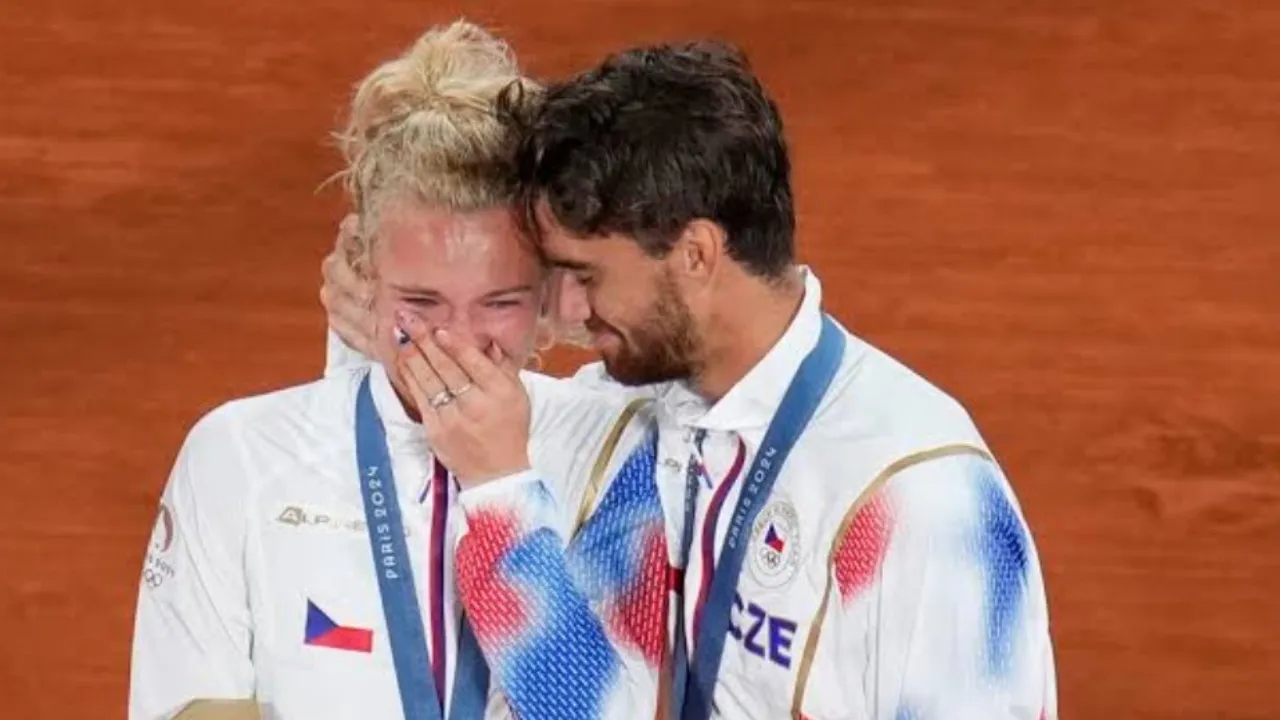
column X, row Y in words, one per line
column 699, row 251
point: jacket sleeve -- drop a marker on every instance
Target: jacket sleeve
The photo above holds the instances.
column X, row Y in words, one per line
column 572, row 625
column 192, row 633
column 939, row 587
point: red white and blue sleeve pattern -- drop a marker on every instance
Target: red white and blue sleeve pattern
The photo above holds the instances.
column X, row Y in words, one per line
column 940, row 588
column 576, row 631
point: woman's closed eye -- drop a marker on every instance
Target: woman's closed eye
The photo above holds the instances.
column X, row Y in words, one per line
column 422, row 301
column 504, row 303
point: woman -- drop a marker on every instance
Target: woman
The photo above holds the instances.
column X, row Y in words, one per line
column 303, row 556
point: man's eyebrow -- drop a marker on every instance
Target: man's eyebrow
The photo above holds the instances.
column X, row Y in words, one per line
column 571, row 264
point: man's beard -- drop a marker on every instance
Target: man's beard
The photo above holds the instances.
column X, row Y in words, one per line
column 662, row 347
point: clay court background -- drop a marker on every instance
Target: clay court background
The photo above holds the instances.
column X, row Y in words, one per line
column 1065, row 213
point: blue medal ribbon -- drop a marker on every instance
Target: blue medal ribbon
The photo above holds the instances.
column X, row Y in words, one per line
column 694, row 683
column 419, row 696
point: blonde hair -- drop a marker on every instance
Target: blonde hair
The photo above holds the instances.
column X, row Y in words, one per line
column 427, row 126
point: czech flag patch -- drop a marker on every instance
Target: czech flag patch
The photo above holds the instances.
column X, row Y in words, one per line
column 322, row 631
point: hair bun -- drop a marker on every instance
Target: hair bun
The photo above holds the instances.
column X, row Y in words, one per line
column 428, row 120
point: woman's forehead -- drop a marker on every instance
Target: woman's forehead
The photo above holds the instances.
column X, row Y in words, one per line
column 459, row 255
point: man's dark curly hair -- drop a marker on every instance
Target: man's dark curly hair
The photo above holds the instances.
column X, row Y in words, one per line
column 657, row 137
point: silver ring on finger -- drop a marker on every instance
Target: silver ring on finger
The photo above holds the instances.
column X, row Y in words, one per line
column 458, row 393
column 440, row 399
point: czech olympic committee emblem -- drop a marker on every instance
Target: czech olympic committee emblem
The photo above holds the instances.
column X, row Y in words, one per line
column 775, row 544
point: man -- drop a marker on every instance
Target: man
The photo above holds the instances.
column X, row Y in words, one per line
column 849, row 546
column 302, row 558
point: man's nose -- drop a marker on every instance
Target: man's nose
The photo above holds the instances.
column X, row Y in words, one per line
column 571, row 305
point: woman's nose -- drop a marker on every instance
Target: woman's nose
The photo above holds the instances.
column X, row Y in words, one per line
column 467, row 332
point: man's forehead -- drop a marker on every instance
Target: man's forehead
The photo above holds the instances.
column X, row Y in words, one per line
column 565, row 250
column 560, row 246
